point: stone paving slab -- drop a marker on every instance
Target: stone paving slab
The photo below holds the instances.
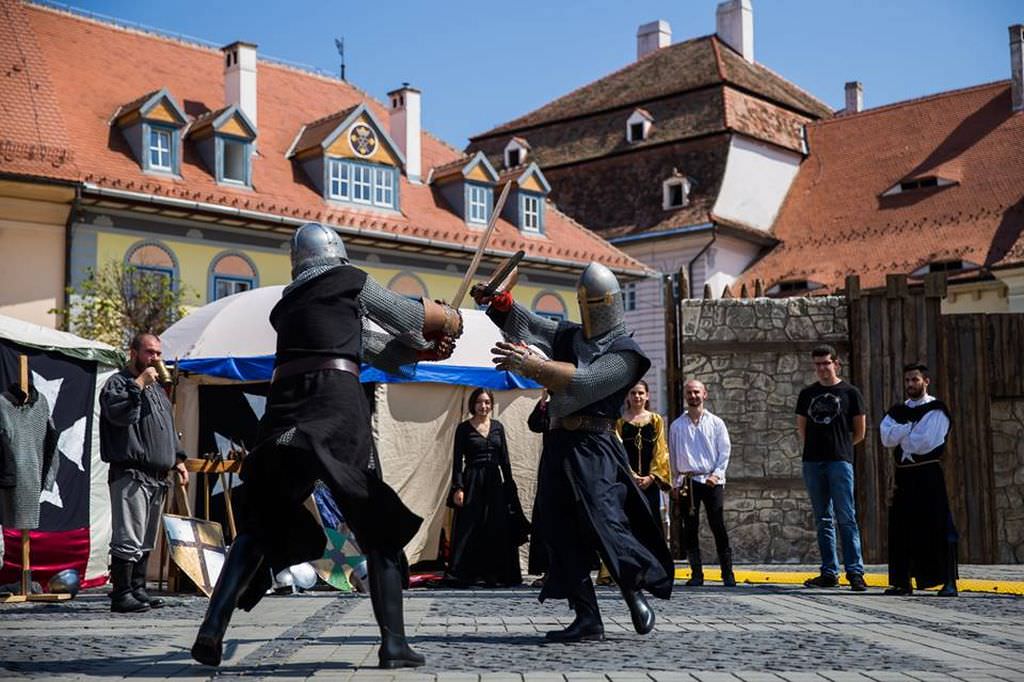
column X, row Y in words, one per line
column 753, row 633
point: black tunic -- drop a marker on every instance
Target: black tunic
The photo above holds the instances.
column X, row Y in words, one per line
column 538, row 423
column 921, row 527
column 591, row 502
column 489, row 526
column 331, row 442
column 640, row 458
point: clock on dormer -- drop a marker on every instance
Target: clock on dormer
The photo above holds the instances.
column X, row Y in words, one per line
column 363, row 139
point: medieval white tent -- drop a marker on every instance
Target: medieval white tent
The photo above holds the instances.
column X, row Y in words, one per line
column 74, row 528
column 231, row 342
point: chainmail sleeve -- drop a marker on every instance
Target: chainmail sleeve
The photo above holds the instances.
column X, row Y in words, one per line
column 606, row 375
column 519, row 324
column 398, row 315
column 386, row 352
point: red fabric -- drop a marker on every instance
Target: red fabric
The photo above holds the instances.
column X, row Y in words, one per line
column 502, row 302
column 50, row 554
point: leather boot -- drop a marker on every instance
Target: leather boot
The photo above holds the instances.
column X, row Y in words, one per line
column 725, row 562
column 139, row 583
column 952, row 572
column 121, row 598
column 639, row 611
column 243, row 561
column 587, row 625
column 696, row 570
column 386, row 575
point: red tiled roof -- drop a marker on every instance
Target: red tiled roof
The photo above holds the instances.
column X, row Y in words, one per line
column 33, row 139
column 682, row 67
column 836, row 222
column 113, row 65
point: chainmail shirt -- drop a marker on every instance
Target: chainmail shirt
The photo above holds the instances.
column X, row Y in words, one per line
column 29, row 440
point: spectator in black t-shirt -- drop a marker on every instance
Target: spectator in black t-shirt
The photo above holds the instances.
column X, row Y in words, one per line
column 831, row 420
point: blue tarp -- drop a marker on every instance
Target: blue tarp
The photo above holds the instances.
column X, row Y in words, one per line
column 259, row 368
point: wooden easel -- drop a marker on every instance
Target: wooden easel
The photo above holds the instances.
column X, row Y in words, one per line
column 26, row 564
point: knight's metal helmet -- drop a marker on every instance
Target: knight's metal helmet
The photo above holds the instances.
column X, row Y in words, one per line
column 600, row 299
column 65, row 582
column 313, row 245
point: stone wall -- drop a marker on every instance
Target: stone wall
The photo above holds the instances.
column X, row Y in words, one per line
column 1008, row 463
column 754, row 357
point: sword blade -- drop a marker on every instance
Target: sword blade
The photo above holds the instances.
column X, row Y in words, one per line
column 475, row 263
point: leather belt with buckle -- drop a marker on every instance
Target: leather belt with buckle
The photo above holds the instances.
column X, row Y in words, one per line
column 583, row 422
column 314, row 364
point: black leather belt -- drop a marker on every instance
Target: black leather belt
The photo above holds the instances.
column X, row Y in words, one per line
column 313, row 364
column 583, row 422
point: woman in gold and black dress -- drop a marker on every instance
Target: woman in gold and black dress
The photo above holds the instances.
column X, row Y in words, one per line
column 645, row 437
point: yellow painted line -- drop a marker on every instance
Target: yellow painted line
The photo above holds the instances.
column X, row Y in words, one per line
column 872, row 579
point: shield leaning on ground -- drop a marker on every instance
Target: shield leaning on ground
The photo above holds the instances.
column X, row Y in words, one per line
column 343, row 565
column 197, row 548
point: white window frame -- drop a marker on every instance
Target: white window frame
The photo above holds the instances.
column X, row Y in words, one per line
column 531, row 218
column 339, row 179
column 244, row 146
column 629, row 297
column 234, row 283
column 476, row 204
column 666, row 193
column 362, row 183
column 156, row 136
column 384, row 187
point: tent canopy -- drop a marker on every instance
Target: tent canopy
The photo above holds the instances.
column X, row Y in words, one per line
column 231, row 338
column 44, row 338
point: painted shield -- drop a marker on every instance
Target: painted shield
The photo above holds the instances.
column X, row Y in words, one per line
column 197, row 548
column 343, row 565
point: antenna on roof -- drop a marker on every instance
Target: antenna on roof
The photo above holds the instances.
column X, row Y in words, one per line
column 340, row 44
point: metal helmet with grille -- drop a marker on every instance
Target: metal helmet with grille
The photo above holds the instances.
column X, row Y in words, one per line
column 600, row 299
column 315, row 245
column 65, row 582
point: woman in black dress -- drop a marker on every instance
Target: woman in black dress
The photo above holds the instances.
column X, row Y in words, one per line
column 489, row 523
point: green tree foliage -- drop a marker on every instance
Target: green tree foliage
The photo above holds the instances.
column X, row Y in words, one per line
column 118, row 300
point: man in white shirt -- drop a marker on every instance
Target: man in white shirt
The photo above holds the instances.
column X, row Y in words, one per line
column 699, row 452
column 922, row 537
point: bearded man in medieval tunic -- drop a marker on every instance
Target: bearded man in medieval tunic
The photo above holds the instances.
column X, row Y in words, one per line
column 317, row 426
column 592, row 505
column 922, row 537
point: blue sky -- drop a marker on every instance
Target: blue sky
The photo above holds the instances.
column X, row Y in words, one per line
column 480, row 64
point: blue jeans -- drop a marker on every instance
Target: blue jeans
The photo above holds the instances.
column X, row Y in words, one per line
column 830, row 487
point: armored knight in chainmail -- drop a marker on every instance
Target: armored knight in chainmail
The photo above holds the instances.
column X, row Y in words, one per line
column 591, row 503
column 317, row 427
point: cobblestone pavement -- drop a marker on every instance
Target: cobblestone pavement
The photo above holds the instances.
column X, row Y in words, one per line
column 750, row 633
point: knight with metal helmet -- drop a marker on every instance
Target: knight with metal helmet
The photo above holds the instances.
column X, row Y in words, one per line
column 591, row 505
column 317, row 426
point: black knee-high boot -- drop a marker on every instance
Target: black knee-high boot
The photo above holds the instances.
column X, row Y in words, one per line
column 952, row 572
column 587, row 625
column 244, row 559
column 386, row 576
column 640, row 611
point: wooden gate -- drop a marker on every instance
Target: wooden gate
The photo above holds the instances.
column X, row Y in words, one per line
column 973, row 359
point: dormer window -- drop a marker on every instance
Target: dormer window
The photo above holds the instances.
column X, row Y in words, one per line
column 531, row 212
column 350, row 158
column 467, row 184
column 953, row 266
column 516, row 152
column 675, row 191
column 638, row 126
column 224, row 139
column 913, row 184
column 151, row 125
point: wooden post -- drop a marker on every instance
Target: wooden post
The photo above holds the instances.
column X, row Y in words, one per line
column 227, row 505
column 743, row 291
column 26, row 563
column 707, row 292
column 758, row 288
column 671, row 346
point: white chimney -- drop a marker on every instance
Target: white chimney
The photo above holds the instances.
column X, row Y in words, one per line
column 854, row 97
column 734, row 24
column 651, row 37
column 405, row 128
column 1017, row 66
column 240, row 78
